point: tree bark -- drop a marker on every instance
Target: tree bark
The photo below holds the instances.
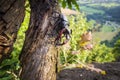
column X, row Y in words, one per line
column 11, row 17
column 38, row 56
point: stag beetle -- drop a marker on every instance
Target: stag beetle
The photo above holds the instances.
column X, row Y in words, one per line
column 62, row 27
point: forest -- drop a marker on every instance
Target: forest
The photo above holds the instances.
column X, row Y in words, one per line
column 31, row 48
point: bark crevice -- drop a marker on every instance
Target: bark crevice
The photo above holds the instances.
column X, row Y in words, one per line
column 12, row 13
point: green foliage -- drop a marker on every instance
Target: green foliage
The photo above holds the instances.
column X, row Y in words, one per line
column 27, row 6
column 74, row 54
column 9, row 67
column 107, row 28
column 78, row 29
column 102, row 13
column 112, row 4
column 111, row 38
column 116, row 50
column 69, row 3
column 101, row 53
column 91, row 10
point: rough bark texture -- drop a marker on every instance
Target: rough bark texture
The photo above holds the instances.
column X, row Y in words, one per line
column 11, row 17
column 112, row 73
column 38, row 56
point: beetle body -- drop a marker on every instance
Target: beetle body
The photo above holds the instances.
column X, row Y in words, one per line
column 62, row 27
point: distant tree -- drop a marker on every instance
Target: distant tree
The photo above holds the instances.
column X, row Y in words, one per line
column 116, row 50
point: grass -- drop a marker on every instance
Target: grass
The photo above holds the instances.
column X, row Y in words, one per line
column 90, row 10
column 104, row 35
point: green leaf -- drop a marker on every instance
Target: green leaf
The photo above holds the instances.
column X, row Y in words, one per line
column 76, row 5
column 7, row 78
column 2, row 72
column 27, row 5
column 64, row 4
column 69, row 4
column 8, row 62
column 28, row 10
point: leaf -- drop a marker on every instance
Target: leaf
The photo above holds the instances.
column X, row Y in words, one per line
column 76, row 5
column 7, row 78
column 2, row 72
column 103, row 72
column 69, row 4
column 27, row 5
column 27, row 10
column 64, row 4
column 8, row 62
column 59, row 1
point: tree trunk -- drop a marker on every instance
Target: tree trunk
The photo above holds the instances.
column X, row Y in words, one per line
column 39, row 56
column 11, row 17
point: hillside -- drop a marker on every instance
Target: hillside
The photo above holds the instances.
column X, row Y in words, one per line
column 105, row 17
column 102, row 36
